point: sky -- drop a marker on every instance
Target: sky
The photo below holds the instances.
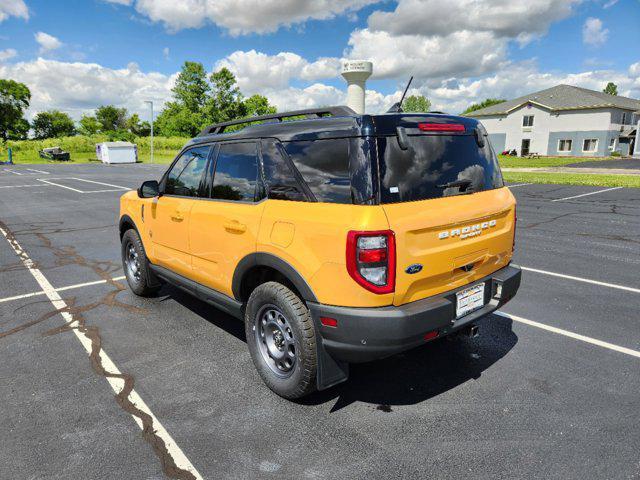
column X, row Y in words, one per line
column 75, row 55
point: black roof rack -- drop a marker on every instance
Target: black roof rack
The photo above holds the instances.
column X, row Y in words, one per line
column 309, row 113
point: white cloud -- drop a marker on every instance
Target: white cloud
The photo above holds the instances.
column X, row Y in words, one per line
column 593, row 32
column 242, row 16
column 7, row 54
column 504, row 18
column 460, row 53
column 47, row 42
column 165, row 53
column 610, row 4
column 256, row 70
column 634, row 70
column 78, row 88
column 13, row 8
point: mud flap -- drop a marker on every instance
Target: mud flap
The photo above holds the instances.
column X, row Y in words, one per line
column 330, row 371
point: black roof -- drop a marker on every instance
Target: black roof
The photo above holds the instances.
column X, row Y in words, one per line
column 343, row 122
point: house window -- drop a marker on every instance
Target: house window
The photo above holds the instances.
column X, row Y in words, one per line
column 624, row 118
column 590, row 145
column 527, row 121
column 612, row 144
column 565, row 145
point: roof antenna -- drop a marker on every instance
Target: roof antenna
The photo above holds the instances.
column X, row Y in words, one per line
column 397, row 107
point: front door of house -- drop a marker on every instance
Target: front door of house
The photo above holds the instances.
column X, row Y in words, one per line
column 524, row 149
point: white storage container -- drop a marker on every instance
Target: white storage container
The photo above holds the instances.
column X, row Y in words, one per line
column 117, row 152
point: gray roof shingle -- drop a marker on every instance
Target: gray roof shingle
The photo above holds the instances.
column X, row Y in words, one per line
column 562, row 97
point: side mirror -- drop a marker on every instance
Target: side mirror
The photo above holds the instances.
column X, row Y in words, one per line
column 149, row 189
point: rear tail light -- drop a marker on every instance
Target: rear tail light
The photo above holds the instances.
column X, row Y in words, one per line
column 441, row 127
column 371, row 260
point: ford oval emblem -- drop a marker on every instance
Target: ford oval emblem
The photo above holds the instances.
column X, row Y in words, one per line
column 415, row 268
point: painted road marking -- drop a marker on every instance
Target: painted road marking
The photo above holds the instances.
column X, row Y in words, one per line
column 38, row 171
column 585, row 280
column 586, row 194
column 100, row 183
column 519, row 185
column 61, row 289
column 116, row 188
column 22, row 186
column 13, row 171
column 117, row 384
column 567, row 333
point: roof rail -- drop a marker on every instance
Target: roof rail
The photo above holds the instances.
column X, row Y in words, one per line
column 309, row 113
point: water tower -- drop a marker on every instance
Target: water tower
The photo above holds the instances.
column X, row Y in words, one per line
column 356, row 72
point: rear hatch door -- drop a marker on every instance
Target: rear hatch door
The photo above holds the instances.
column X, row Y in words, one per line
column 444, row 197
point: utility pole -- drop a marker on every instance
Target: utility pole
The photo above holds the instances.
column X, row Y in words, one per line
column 151, row 104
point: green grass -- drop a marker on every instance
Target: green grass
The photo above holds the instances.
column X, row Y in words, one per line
column 32, row 158
column 542, row 162
column 82, row 148
column 632, row 181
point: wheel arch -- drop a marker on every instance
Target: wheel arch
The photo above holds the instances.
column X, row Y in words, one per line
column 126, row 223
column 255, row 261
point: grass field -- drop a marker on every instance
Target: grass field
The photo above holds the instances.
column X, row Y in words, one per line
column 32, row 157
column 517, row 162
column 574, row 179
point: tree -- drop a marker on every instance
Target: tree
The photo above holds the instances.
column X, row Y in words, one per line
column 225, row 102
column 191, row 89
column 14, row 100
column 416, row 103
column 611, row 89
column 53, row 124
column 111, row 118
column 257, row 105
column 484, row 104
column 176, row 120
column 138, row 128
column 89, row 125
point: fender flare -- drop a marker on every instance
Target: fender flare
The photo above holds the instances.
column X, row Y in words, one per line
column 126, row 220
column 262, row 259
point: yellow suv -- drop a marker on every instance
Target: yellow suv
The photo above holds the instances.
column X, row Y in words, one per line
column 337, row 237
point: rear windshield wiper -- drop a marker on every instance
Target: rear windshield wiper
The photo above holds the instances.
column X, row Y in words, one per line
column 463, row 184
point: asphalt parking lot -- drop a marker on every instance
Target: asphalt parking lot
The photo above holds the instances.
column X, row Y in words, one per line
column 550, row 389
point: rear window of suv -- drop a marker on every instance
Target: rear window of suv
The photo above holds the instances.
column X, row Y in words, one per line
column 435, row 166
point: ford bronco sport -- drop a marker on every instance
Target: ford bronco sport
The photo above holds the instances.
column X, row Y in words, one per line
column 337, row 237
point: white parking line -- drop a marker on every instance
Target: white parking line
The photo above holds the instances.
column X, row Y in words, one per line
column 100, row 183
column 61, row 186
column 519, row 185
column 116, row 188
column 13, row 171
column 567, row 333
column 38, row 171
column 586, row 194
column 113, row 374
column 61, row 289
column 22, row 186
column 580, row 279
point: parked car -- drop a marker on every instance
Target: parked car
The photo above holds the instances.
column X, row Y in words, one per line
column 337, row 238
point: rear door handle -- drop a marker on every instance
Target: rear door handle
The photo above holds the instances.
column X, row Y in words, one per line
column 235, row 226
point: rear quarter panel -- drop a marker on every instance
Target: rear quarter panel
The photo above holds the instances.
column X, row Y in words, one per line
column 312, row 238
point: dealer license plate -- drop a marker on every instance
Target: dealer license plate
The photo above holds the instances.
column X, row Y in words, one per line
column 469, row 299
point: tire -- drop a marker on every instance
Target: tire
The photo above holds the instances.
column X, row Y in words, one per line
column 273, row 308
column 140, row 278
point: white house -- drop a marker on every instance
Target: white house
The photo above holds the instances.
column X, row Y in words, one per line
column 564, row 120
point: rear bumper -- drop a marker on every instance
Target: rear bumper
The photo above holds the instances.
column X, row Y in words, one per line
column 365, row 334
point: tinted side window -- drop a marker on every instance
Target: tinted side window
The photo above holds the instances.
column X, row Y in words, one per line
column 281, row 182
column 236, row 175
column 324, row 165
column 184, row 177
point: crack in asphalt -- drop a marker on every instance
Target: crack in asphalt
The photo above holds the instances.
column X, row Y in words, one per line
column 104, row 269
